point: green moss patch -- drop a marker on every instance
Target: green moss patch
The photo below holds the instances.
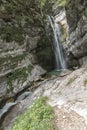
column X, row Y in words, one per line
column 84, row 12
column 19, row 74
column 11, row 33
column 54, row 72
column 43, row 2
column 17, row 16
column 61, row 2
column 38, row 117
column 71, row 80
column 85, row 82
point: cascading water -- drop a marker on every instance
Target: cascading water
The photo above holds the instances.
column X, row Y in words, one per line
column 58, row 48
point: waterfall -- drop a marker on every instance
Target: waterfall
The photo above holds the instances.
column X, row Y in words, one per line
column 57, row 45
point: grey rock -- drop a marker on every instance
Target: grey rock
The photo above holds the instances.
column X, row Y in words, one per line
column 23, row 96
column 6, row 108
column 61, row 93
column 77, row 21
column 3, row 87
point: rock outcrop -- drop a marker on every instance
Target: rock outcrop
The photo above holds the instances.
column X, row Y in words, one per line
column 73, row 21
column 76, row 14
column 67, row 94
column 17, row 69
column 20, row 31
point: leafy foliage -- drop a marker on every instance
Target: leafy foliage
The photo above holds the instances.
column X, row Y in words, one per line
column 38, row 117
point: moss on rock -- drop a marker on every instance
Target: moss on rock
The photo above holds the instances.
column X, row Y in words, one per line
column 11, row 62
column 11, row 33
column 38, row 117
column 19, row 74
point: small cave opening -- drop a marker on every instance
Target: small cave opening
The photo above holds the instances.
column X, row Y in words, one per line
column 45, row 54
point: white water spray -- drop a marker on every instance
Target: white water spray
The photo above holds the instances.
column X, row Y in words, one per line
column 57, row 45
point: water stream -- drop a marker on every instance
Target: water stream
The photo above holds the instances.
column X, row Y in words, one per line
column 57, row 45
column 5, row 109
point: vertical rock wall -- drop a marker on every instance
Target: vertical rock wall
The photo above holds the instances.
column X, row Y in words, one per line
column 20, row 31
column 76, row 13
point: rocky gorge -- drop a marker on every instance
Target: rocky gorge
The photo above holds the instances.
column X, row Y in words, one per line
column 27, row 61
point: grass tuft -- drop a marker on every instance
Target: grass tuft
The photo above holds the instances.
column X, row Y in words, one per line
column 71, row 80
column 38, row 117
column 85, row 82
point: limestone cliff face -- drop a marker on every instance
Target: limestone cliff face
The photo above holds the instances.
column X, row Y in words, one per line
column 18, row 67
column 24, row 47
column 20, row 31
column 76, row 13
column 73, row 20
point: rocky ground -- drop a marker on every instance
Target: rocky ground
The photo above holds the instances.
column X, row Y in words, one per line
column 67, row 94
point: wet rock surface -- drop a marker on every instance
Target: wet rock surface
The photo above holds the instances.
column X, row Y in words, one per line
column 67, row 94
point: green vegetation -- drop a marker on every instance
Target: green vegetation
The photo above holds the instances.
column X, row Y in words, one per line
column 84, row 12
column 85, row 82
column 54, row 72
column 61, row 2
column 15, row 18
column 11, row 33
column 70, row 3
column 39, row 117
column 71, row 80
column 17, row 15
column 43, row 2
column 19, row 74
